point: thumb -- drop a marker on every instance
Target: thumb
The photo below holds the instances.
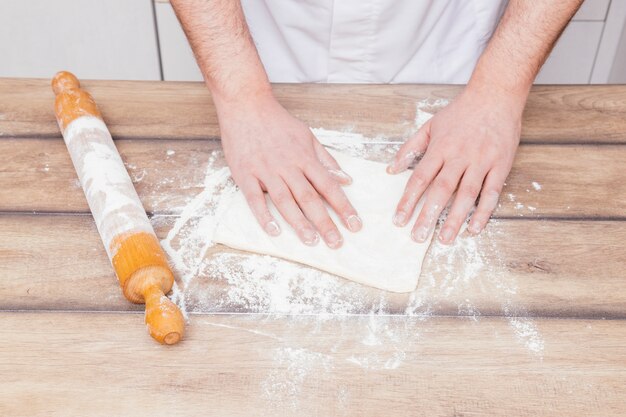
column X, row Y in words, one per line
column 411, row 149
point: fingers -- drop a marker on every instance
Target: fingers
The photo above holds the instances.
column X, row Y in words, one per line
column 286, row 204
column 413, row 147
column 334, row 195
column 251, row 189
column 313, row 208
column 438, row 196
column 488, row 199
column 421, row 178
column 330, row 164
column 463, row 202
column 299, row 197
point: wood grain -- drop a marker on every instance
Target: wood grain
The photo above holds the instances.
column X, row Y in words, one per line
column 548, row 268
column 105, row 364
column 576, row 181
column 175, row 110
column 464, row 344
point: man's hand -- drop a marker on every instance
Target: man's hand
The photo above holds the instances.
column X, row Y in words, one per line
column 470, row 145
column 267, row 149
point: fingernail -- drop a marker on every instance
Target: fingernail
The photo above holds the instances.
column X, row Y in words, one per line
column 420, row 234
column 399, row 219
column 333, row 239
column 272, row 228
column 446, row 235
column 310, row 237
column 474, row 228
column 354, row 223
column 341, row 175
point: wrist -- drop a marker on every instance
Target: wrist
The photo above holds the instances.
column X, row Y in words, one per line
column 243, row 93
column 491, row 90
column 246, row 99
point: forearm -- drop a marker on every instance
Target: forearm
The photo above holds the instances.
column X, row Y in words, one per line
column 520, row 46
column 220, row 39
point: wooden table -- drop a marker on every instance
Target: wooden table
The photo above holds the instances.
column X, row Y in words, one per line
column 538, row 329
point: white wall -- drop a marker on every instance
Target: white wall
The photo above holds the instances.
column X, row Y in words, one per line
column 609, row 66
column 139, row 39
column 109, row 39
column 618, row 71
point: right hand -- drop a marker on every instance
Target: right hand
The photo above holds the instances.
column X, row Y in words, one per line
column 269, row 150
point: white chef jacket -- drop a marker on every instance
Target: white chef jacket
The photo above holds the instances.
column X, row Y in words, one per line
column 371, row 41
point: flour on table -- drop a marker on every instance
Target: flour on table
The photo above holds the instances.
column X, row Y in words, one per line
column 425, row 110
column 212, row 279
column 282, row 388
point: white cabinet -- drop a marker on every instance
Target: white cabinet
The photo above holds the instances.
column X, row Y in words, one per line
column 592, row 48
column 572, row 59
column 177, row 58
column 106, row 39
column 142, row 40
column 593, row 10
column 610, row 65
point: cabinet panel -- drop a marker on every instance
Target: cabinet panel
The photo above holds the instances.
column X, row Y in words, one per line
column 593, row 10
column 178, row 61
column 112, row 39
column 610, row 65
column 618, row 71
column 571, row 61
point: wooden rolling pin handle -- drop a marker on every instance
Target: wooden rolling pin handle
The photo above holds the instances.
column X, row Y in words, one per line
column 143, row 272
column 163, row 318
column 64, row 81
column 71, row 101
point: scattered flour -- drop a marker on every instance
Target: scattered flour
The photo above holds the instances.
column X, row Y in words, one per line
column 190, row 238
column 259, row 283
column 520, row 206
column 426, row 109
column 527, row 332
column 282, row 387
column 138, row 176
column 212, row 279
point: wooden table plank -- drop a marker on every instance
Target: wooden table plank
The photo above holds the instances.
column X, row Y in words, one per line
column 38, row 175
column 78, row 364
column 173, row 110
column 548, row 268
column 463, row 344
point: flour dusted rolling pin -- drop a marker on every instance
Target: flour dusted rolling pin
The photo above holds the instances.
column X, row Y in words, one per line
column 130, row 242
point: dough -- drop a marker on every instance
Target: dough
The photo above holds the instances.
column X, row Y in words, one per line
column 381, row 255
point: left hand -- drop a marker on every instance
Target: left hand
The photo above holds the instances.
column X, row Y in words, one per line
column 469, row 145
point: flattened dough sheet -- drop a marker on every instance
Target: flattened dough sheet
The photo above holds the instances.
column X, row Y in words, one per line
column 381, row 255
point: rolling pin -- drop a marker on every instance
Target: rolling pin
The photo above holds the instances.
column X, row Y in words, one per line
column 133, row 248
